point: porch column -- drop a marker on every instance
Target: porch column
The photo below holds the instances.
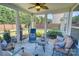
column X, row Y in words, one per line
column 32, row 21
column 46, row 27
column 63, row 24
column 66, row 22
column 17, row 26
column 69, row 23
column 30, row 25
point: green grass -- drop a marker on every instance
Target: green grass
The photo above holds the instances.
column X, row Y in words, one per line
column 25, row 32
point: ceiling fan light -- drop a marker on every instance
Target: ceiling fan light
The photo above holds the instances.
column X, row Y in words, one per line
column 37, row 7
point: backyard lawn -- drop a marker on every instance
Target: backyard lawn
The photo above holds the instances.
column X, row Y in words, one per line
column 39, row 32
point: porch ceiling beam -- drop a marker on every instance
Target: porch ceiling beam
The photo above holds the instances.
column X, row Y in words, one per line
column 74, row 7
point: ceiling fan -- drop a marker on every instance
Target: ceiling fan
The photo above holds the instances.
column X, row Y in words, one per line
column 38, row 6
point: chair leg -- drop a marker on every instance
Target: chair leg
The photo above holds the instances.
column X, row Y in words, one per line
column 53, row 52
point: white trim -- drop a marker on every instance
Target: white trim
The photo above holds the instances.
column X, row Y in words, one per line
column 74, row 7
column 75, row 27
column 71, row 16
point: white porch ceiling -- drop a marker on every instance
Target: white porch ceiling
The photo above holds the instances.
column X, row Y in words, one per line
column 53, row 7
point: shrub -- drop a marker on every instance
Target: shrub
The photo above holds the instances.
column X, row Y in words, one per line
column 38, row 34
column 0, row 38
column 52, row 33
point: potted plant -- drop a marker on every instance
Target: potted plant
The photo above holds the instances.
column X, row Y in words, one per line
column 52, row 33
column 6, row 36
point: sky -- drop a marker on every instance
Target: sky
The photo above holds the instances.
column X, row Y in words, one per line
column 50, row 16
column 76, row 13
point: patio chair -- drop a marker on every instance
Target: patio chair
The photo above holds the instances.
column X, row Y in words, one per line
column 72, row 50
column 22, row 52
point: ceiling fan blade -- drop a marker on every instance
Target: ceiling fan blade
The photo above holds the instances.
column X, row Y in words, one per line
column 31, row 7
column 42, row 4
column 38, row 4
column 33, row 3
column 44, row 7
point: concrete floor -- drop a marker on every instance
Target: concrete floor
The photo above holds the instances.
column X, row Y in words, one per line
column 34, row 48
column 31, row 49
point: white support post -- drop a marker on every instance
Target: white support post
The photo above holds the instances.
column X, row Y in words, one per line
column 63, row 24
column 67, row 16
column 46, row 27
column 32, row 21
column 69, row 23
column 30, row 25
column 17, row 26
column 66, row 24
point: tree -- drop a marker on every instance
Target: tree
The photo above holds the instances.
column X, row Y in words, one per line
column 39, row 19
column 7, row 15
column 25, row 19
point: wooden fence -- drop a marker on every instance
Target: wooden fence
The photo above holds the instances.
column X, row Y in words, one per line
column 39, row 26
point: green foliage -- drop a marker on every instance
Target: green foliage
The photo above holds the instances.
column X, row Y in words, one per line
column 52, row 33
column 39, row 19
column 0, row 38
column 24, row 18
column 75, row 19
column 6, row 36
column 38, row 34
column 7, row 16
